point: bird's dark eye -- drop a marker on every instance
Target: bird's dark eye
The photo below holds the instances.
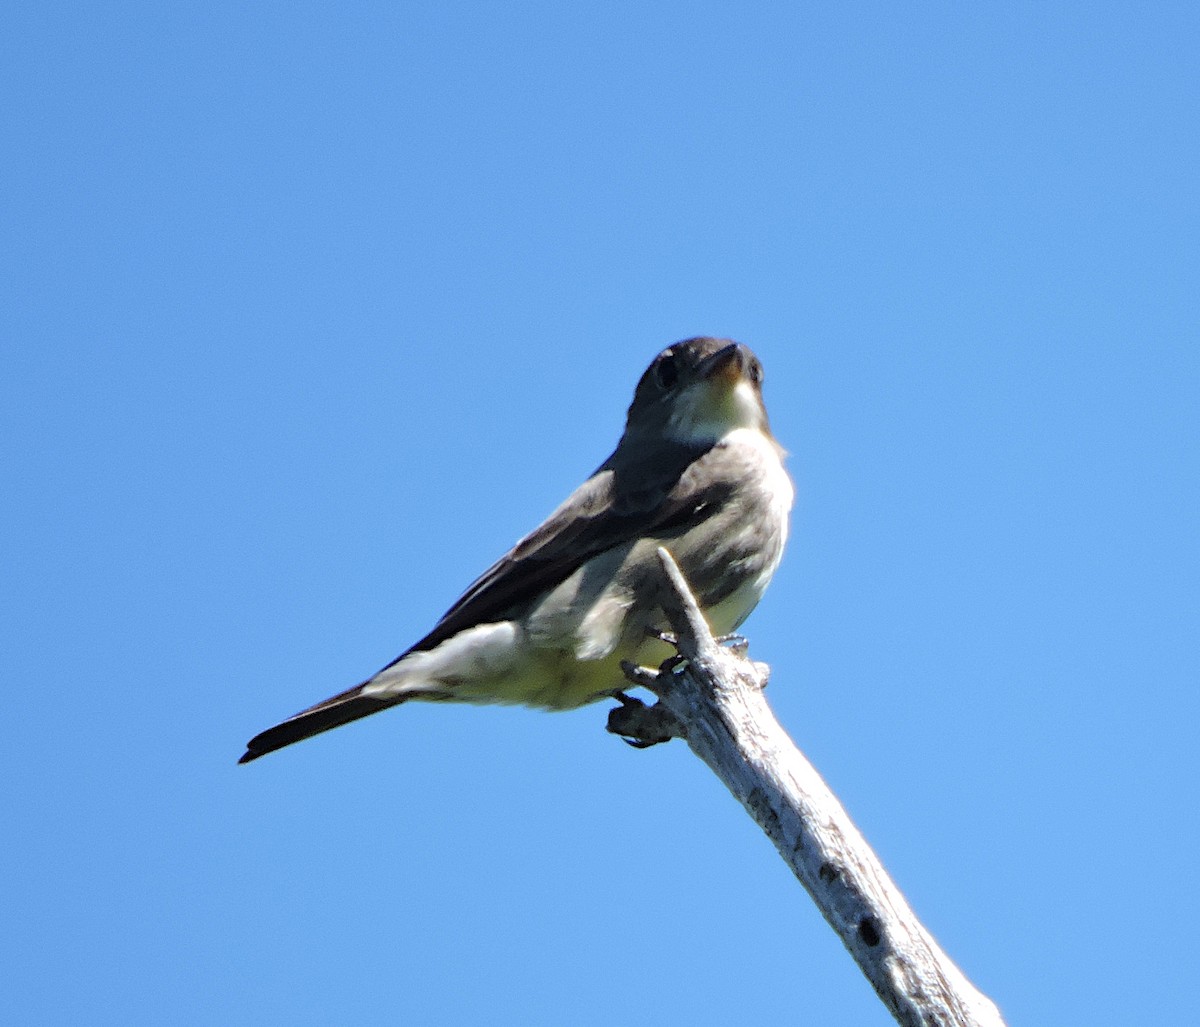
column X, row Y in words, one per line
column 756, row 372
column 666, row 371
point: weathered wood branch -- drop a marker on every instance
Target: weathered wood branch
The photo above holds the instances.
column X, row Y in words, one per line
column 713, row 698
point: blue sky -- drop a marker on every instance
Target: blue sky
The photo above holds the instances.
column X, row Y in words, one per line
column 311, row 310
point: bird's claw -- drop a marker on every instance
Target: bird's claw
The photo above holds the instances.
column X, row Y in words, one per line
column 643, row 677
column 639, row 725
column 663, row 636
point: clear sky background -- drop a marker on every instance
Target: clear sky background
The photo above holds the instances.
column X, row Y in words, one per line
column 309, row 311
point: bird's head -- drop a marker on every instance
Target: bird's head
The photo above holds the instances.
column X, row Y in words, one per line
column 697, row 391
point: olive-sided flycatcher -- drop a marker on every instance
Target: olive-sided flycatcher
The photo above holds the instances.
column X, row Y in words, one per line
column 696, row 471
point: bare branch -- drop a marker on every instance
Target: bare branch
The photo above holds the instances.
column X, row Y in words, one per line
column 715, row 701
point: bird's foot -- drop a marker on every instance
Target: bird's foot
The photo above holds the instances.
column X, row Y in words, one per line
column 636, row 723
column 663, row 636
column 739, row 644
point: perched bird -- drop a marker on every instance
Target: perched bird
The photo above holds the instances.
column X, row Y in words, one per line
column 697, row 471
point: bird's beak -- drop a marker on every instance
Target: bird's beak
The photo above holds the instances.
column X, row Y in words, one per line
column 726, row 365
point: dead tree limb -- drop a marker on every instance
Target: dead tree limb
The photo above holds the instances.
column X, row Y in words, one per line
column 713, row 698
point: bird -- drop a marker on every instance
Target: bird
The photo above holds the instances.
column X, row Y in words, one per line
column 549, row 625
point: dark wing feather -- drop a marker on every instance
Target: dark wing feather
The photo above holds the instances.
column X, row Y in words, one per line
column 603, row 512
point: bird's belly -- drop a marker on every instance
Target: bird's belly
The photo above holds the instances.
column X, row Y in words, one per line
column 557, row 680
column 727, row 615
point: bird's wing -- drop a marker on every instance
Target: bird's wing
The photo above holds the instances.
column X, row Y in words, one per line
column 600, row 514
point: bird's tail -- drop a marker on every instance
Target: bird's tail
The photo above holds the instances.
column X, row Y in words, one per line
column 333, row 712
